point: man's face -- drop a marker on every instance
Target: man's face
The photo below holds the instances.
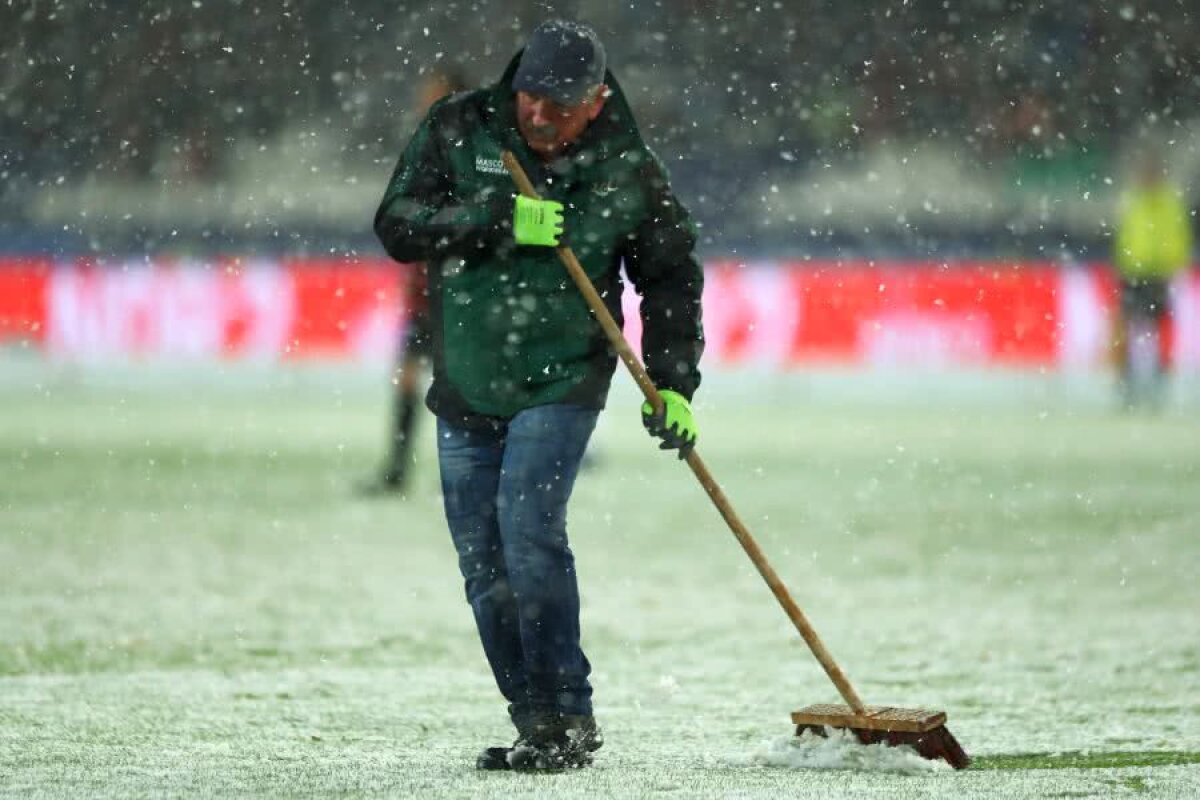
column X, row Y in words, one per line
column 549, row 128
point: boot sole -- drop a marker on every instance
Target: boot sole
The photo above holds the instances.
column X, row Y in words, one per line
column 494, row 759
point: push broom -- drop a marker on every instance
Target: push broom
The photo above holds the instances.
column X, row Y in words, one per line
column 923, row 730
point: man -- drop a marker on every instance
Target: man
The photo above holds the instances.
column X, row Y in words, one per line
column 415, row 343
column 521, row 368
column 1153, row 244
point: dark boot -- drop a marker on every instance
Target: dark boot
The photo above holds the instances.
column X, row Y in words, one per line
column 557, row 742
column 496, row 758
column 546, row 742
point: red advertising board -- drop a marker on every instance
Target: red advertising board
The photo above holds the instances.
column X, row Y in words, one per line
column 776, row 315
column 23, row 299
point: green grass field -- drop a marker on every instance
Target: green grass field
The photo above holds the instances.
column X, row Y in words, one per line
column 194, row 602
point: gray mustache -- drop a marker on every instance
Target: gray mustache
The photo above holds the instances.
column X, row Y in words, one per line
column 544, row 130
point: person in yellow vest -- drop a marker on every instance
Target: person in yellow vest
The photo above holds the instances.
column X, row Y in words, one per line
column 1153, row 245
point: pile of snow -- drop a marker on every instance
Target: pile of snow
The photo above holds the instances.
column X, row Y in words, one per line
column 838, row 750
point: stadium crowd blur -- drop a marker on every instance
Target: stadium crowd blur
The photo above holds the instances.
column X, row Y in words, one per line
column 919, row 126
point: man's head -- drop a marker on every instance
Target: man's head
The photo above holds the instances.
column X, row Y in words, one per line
column 437, row 83
column 1149, row 167
column 559, row 85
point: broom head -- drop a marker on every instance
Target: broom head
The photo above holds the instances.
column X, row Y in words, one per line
column 924, row 731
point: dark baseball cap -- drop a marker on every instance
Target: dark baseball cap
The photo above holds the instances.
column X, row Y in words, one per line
column 562, row 60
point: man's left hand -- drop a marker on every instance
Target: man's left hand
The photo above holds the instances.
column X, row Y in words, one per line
column 675, row 425
column 537, row 222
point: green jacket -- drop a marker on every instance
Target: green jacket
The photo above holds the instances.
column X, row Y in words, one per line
column 509, row 328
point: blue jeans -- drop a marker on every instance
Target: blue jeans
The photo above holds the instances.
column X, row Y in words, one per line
column 506, row 495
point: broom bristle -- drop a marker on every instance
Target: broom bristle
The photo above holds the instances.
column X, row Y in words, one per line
column 924, row 731
column 938, row 744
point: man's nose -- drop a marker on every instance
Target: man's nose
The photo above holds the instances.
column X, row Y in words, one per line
column 537, row 112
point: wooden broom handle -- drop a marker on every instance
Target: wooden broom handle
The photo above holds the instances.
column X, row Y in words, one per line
column 617, row 339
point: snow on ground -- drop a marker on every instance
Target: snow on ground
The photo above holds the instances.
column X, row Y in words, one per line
column 192, row 600
column 838, row 750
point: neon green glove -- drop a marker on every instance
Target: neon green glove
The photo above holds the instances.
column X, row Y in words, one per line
column 675, row 425
column 537, row 222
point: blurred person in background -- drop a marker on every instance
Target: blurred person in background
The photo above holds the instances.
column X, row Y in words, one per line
column 521, row 369
column 414, row 352
column 1153, row 245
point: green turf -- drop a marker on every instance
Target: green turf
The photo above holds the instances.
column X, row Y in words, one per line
column 1086, row 760
column 193, row 602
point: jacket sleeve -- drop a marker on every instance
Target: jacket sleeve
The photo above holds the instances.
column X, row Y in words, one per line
column 421, row 217
column 660, row 262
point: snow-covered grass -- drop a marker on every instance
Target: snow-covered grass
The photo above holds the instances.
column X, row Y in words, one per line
column 194, row 602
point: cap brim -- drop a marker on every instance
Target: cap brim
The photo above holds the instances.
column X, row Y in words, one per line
column 565, row 93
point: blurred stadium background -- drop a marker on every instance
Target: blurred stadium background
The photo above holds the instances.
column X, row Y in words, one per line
column 900, row 141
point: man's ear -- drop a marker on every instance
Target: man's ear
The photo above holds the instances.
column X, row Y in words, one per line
column 598, row 101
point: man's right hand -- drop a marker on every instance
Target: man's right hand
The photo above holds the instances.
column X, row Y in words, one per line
column 537, row 222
